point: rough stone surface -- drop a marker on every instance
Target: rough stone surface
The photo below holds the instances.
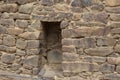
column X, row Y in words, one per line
column 30, row 35
column 31, row 61
column 22, row 23
column 8, row 58
column 60, row 39
column 101, row 51
column 54, row 56
column 14, row 31
column 27, row 8
column 107, row 68
column 8, row 8
column 112, row 2
column 9, row 40
column 22, row 44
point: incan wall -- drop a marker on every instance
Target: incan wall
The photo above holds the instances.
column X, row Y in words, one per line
column 90, row 38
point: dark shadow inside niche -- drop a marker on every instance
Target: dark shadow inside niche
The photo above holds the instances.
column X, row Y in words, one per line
column 52, row 39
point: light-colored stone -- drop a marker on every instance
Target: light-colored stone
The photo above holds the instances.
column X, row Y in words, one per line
column 99, row 51
column 8, row 7
column 27, row 8
column 106, row 42
column 70, row 56
column 20, row 52
column 33, row 51
column 14, row 31
column 22, row 44
column 22, row 23
column 33, row 44
column 31, row 61
column 117, row 48
column 112, row 2
column 94, row 59
column 7, row 58
column 77, row 67
column 9, row 40
column 30, row 35
column 113, row 61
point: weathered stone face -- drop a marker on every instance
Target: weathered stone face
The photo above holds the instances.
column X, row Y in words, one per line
column 7, row 58
column 76, row 39
column 9, row 40
column 54, row 56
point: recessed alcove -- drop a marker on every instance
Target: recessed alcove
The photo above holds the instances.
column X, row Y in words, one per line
column 52, row 39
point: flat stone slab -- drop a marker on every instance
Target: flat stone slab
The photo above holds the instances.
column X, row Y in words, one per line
column 12, row 76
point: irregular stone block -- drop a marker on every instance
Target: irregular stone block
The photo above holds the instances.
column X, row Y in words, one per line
column 33, row 51
column 2, row 29
column 33, row 44
column 22, row 44
column 118, row 69
column 115, row 17
column 31, row 35
column 70, row 49
column 115, row 31
column 8, row 8
column 31, row 61
column 54, row 56
column 99, row 51
column 117, row 48
column 112, row 2
column 101, row 17
column 106, row 42
column 76, row 3
column 114, row 24
column 88, row 16
column 14, row 31
column 107, row 68
column 97, row 7
column 7, row 58
column 9, row 40
column 113, row 61
column 19, row 16
column 76, row 67
column 62, row 7
column 20, row 52
column 94, row 59
column 7, row 22
column 85, row 32
column 7, row 49
column 70, row 56
column 22, row 23
column 112, row 76
column 47, row 2
column 113, row 10
column 86, row 3
column 27, row 8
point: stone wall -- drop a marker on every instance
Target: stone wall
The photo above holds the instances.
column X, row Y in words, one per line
column 90, row 38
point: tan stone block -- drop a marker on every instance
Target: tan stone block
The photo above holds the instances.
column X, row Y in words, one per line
column 8, row 7
column 9, row 40
column 99, row 51
column 117, row 48
column 14, row 31
column 114, row 61
column 21, row 43
column 112, row 2
column 70, row 49
column 30, row 35
column 70, row 56
column 76, row 67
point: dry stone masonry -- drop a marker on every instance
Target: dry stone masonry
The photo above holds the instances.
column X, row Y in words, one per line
column 59, row 39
